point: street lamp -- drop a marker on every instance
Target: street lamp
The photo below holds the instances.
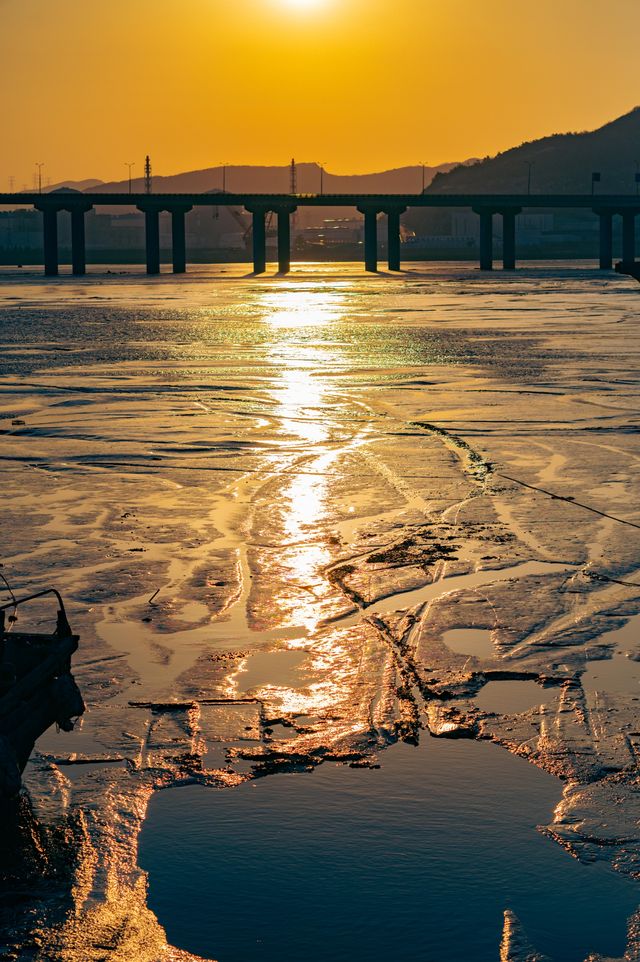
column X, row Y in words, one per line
column 130, row 166
column 321, row 166
column 224, row 176
column 40, row 166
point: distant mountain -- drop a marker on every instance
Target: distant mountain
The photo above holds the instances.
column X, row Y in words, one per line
column 84, row 185
column 274, row 180
column 562, row 164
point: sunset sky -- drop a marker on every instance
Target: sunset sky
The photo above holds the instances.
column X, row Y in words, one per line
column 359, row 85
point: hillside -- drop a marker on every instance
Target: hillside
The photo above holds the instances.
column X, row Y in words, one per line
column 270, row 180
column 562, row 163
column 84, row 185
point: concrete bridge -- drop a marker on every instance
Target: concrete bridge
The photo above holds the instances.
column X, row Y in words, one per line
column 486, row 206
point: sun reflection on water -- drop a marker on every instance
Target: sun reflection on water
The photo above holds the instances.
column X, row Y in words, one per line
column 302, row 391
column 299, row 307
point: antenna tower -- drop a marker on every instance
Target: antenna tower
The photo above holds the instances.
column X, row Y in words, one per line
column 147, row 174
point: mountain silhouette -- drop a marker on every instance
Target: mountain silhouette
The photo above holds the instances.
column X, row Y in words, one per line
column 270, row 180
column 560, row 164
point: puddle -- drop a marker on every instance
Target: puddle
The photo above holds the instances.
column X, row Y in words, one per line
column 470, row 641
column 56, row 742
column 279, row 668
column 282, row 732
column 618, row 673
column 416, row 860
column 511, row 697
column 437, row 589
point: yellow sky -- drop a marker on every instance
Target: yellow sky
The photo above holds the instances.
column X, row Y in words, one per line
column 360, row 85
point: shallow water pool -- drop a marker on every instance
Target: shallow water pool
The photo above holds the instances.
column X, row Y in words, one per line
column 416, row 860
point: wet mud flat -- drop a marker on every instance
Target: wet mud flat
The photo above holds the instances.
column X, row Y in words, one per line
column 300, row 522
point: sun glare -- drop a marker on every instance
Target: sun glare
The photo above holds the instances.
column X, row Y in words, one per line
column 302, row 5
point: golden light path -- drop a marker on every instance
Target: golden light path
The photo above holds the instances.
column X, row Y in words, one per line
column 304, row 365
column 301, row 396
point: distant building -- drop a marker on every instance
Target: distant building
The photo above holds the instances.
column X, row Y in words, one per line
column 20, row 230
column 332, row 232
column 530, row 227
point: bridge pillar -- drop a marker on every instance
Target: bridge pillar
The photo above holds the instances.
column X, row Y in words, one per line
column 50, row 227
column 606, row 239
column 259, row 240
column 393, row 236
column 509, row 238
column 486, row 238
column 370, row 238
column 178, row 239
column 152, row 238
column 78, row 246
column 284, row 240
column 628, row 238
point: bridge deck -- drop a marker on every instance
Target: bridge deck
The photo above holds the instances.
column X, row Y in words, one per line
column 66, row 200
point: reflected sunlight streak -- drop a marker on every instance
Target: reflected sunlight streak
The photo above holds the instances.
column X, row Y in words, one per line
column 301, row 392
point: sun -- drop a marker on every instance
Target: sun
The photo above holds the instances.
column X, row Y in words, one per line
column 302, row 5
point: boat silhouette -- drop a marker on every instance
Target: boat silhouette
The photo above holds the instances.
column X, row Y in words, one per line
column 37, row 689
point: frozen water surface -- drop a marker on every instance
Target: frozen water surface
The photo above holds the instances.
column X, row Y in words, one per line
column 274, row 507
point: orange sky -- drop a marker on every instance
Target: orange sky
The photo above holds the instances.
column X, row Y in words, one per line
column 360, row 85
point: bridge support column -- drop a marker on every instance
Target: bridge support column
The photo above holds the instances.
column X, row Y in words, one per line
column 78, row 246
column 509, row 239
column 50, row 227
column 284, row 241
column 178, row 239
column 606, row 240
column 152, row 238
column 393, row 237
column 486, row 239
column 370, row 238
column 259, row 241
column 628, row 238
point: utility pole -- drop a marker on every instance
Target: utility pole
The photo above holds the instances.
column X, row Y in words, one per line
column 530, row 166
column 12, row 183
column 424, row 166
column 321, row 166
column 293, row 189
column 130, row 166
column 147, row 175
column 40, row 166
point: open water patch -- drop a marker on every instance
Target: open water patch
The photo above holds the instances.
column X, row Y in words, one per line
column 416, row 860
column 470, row 641
column 511, row 697
column 280, row 668
column 621, row 672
